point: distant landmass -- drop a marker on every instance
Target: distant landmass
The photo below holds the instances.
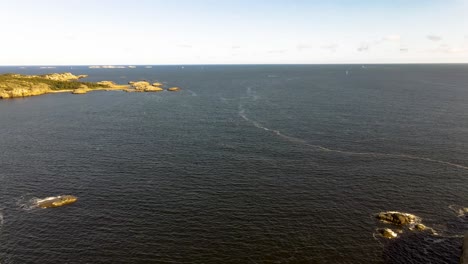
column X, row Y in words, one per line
column 18, row 85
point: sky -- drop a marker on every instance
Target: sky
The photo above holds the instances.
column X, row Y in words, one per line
column 155, row 32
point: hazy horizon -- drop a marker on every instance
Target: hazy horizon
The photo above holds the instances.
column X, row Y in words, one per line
column 233, row 64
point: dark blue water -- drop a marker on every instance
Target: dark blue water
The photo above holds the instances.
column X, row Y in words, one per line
column 247, row 164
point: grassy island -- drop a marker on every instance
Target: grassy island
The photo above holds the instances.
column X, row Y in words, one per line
column 17, row 85
column 12, row 81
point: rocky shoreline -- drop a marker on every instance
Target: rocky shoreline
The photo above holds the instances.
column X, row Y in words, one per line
column 18, row 85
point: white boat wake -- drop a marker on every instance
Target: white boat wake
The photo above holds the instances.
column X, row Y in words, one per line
column 254, row 97
column 2, row 221
column 192, row 93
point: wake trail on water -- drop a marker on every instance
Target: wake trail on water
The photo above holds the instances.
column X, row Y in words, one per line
column 192, row 93
column 1, row 219
column 26, row 203
column 252, row 96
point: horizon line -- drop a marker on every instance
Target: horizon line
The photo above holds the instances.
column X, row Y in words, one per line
column 228, row 64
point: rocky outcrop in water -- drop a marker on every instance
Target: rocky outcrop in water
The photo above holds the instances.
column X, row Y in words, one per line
column 397, row 218
column 387, row 233
column 174, row 89
column 404, row 221
column 140, row 85
column 420, row 227
column 56, row 201
column 144, row 86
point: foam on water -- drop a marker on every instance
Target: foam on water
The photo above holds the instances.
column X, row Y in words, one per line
column 46, row 199
column 192, row 93
column 460, row 211
column 2, row 221
column 27, row 203
column 254, row 97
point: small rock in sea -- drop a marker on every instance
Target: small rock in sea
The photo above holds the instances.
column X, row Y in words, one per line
column 56, row 201
column 174, row 89
column 397, row 218
column 157, row 84
column 420, row 227
column 387, row 233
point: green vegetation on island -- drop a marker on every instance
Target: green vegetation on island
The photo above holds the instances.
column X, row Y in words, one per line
column 55, row 81
column 17, row 85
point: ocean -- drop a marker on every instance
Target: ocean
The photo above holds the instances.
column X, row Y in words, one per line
column 246, row 164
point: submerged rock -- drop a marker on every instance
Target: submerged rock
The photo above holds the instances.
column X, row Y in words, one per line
column 56, row 201
column 420, row 227
column 397, row 218
column 387, row 233
column 174, row 89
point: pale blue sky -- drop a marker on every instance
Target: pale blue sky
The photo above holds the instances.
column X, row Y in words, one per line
column 92, row 32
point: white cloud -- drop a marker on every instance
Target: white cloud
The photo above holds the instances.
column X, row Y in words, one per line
column 302, row 47
column 277, row 51
column 393, row 37
column 450, row 50
column 364, row 47
column 332, row 47
column 434, row 37
column 186, row 46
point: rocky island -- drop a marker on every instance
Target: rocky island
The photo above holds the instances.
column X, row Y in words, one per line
column 18, row 85
column 56, row 201
column 402, row 221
